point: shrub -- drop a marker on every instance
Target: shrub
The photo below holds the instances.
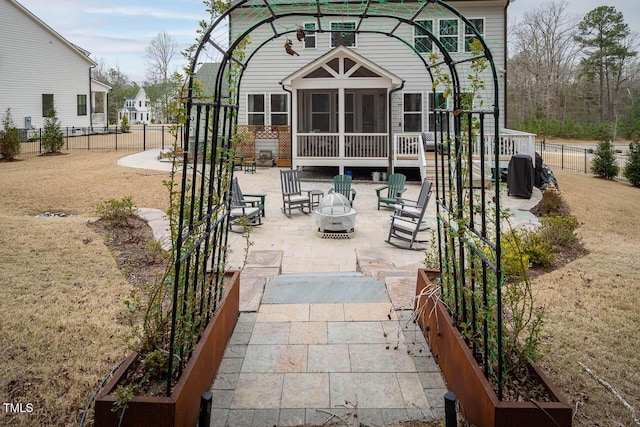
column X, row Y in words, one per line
column 539, row 251
column 9, row 137
column 552, row 203
column 632, row 167
column 124, row 125
column 52, row 136
column 118, row 211
column 604, row 161
column 559, row 230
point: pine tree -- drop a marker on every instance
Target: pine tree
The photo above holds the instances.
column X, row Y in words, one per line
column 632, row 168
column 604, row 161
column 52, row 136
column 9, row 137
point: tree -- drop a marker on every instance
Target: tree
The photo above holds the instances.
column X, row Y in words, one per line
column 124, row 124
column 9, row 137
column 632, row 167
column 543, row 65
column 604, row 37
column 160, row 52
column 604, row 161
column 52, row 136
column 121, row 87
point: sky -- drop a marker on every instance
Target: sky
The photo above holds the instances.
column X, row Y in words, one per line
column 117, row 32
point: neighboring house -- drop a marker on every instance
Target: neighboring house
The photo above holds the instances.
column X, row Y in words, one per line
column 41, row 70
column 137, row 109
column 349, row 96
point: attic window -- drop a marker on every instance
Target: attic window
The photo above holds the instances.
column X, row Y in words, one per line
column 334, row 64
column 364, row 72
column 318, row 73
column 348, row 64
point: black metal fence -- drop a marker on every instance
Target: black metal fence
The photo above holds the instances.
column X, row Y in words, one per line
column 138, row 138
column 576, row 159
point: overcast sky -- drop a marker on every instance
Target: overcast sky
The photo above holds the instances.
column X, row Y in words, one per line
column 118, row 31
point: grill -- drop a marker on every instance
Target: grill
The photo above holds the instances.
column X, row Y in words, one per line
column 335, row 217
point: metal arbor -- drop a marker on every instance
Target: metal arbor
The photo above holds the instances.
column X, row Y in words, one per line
column 467, row 135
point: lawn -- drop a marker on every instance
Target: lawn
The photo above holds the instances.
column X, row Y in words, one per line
column 61, row 331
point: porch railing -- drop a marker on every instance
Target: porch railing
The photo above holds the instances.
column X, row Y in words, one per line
column 406, row 144
column 318, row 145
column 360, row 145
column 512, row 142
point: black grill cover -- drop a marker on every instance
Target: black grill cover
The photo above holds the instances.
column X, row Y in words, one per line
column 520, row 176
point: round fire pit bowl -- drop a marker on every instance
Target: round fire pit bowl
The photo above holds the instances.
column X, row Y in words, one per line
column 335, row 217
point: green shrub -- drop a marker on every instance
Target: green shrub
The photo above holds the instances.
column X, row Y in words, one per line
column 117, row 211
column 559, row 230
column 124, row 125
column 539, row 251
column 52, row 136
column 604, row 161
column 632, row 167
column 552, row 203
column 9, row 137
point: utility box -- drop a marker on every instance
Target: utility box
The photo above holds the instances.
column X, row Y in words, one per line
column 27, row 122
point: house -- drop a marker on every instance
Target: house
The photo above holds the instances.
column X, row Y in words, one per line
column 41, row 70
column 352, row 85
column 137, row 109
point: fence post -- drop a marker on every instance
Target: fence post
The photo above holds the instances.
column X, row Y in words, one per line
column 40, row 141
column 144, row 137
column 162, row 137
column 88, row 138
column 585, row 160
column 450, row 409
column 205, row 409
column 116, row 133
column 67, row 138
column 562, row 157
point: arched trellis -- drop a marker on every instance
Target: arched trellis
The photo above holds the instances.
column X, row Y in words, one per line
column 212, row 119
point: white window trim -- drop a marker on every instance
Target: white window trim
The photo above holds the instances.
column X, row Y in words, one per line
column 457, row 35
column 355, row 36
column 314, row 35
column 264, row 112
column 285, row 113
column 422, row 102
column 464, row 35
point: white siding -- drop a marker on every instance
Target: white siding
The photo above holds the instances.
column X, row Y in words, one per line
column 271, row 64
column 36, row 61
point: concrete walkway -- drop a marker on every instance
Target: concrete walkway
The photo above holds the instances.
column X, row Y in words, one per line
column 324, row 333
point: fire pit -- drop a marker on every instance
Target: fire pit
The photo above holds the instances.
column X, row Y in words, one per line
column 335, row 217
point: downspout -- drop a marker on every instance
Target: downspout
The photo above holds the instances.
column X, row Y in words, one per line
column 504, row 75
column 290, row 121
column 390, row 123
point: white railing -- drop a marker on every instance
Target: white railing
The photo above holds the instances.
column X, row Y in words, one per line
column 406, row 144
column 511, row 142
column 361, row 145
column 318, row 145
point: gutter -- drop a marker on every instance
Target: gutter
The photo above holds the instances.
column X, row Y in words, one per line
column 290, row 121
column 90, row 103
column 506, row 68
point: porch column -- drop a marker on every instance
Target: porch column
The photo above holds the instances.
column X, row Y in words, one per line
column 294, row 128
column 341, row 128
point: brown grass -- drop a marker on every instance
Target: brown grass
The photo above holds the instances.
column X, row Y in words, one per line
column 62, row 289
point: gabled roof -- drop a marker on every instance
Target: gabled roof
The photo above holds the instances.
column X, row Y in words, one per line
column 343, row 52
column 78, row 50
column 99, row 84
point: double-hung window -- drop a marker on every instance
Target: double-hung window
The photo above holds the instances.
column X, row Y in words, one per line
column 469, row 35
column 256, row 109
column 435, row 102
column 309, row 35
column 279, row 109
column 421, row 40
column 449, row 31
column 343, row 33
column 82, row 105
column 412, row 112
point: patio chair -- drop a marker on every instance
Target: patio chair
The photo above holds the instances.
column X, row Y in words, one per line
column 395, row 187
column 242, row 212
column 342, row 185
column 406, row 228
column 254, row 200
column 412, row 209
column 292, row 197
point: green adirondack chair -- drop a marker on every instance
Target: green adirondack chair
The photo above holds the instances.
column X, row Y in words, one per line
column 395, row 187
column 342, row 185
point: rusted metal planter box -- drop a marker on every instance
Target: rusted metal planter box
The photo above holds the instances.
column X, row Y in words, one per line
column 465, row 378
column 182, row 408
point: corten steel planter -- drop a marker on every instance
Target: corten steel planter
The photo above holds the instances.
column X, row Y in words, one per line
column 182, row 408
column 465, row 378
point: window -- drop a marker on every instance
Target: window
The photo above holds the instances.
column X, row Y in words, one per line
column 342, row 33
column 320, row 112
column 412, row 112
column 279, row 109
column 469, row 36
column 256, row 110
column 139, row 103
column 421, row 40
column 82, row 105
column 449, row 34
column 435, row 102
column 47, row 105
column 309, row 35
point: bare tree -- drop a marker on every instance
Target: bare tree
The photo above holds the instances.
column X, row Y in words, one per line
column 543, row 65
column 160, row 52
